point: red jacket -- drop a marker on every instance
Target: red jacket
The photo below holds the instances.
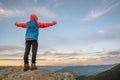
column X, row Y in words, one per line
column 34, row 34
column 40, row 24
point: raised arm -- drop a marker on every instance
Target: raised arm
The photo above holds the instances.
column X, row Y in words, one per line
column 45, row 25
column 23, row 25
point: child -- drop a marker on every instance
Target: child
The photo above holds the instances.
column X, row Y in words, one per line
column 31, row 37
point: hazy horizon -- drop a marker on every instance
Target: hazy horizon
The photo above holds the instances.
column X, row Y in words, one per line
column 46, row 63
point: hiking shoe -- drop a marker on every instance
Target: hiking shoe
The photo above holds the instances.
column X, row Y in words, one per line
column 33, row 66
column 26, row 67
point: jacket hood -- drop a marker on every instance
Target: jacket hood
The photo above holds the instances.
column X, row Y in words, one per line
column 33, row 17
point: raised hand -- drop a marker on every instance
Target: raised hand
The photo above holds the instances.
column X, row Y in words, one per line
column 55, row 22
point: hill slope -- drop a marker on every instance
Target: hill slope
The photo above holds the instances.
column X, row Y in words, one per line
column 16, row 73
column 112, row 74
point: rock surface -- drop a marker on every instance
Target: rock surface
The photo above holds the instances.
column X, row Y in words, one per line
column 17, row 73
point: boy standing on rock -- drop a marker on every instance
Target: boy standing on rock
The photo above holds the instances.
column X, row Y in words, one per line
column 31, row 37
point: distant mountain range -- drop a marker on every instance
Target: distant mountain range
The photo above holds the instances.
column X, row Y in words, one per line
column 3, row 67
column 86, row 70
column 51, row 68
column 112, row 74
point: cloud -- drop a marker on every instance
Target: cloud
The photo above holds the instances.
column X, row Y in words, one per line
column 58, row 3
column 111, row 59
column 101, row 10
column 117, row 52
column 110, row 33
column 11, row 52
column 101, row 31
column 56, row 53
column 10, row 47
column 45, row 12
column 36, row 1
column 65, row 57
column 90, row 36
column 102, row 57
column 10, row 12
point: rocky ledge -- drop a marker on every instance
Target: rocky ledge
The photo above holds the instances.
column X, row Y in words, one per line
column 17, row 73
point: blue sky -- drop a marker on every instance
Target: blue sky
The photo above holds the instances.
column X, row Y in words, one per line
column 87, row 31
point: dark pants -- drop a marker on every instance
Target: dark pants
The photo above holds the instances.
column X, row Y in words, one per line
column 34, row 45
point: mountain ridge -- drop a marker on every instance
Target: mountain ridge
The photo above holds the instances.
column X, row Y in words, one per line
column 86, row 70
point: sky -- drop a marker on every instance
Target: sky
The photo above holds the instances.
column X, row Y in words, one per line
column 87, row 31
